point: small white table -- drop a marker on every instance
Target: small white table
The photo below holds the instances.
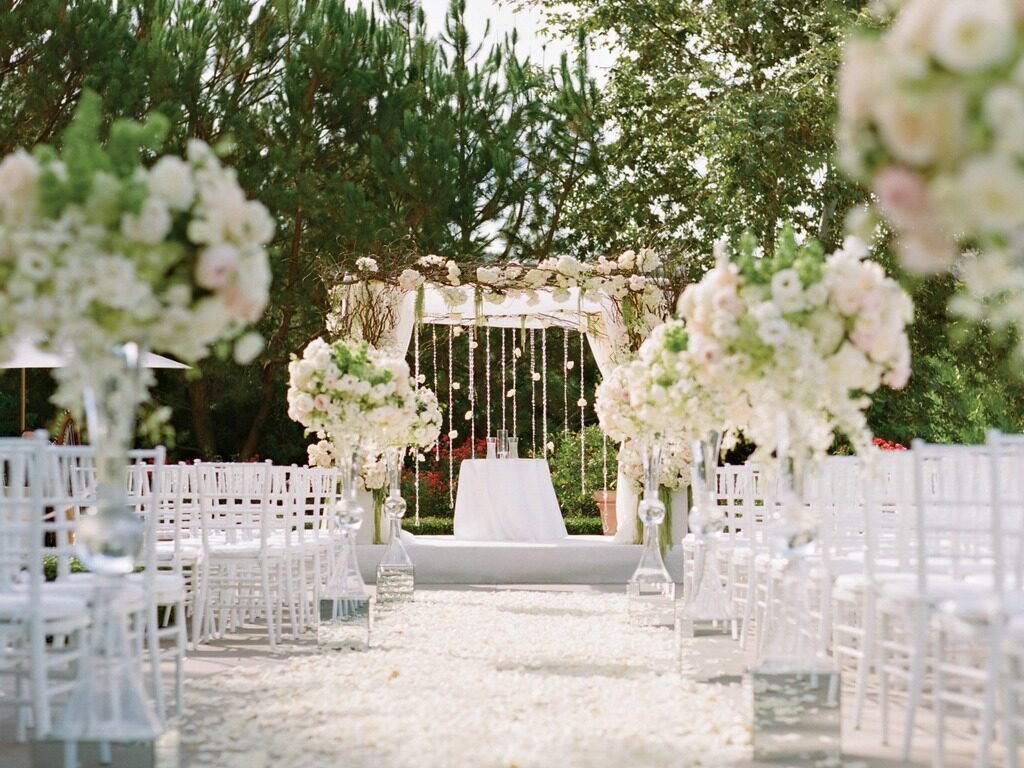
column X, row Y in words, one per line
column 507, row 500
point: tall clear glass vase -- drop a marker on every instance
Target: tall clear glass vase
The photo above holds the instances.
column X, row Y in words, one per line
column 790, row 641
column 110, row 704
column 396, row 577
column 708, row 603
column 651, row 590
column 796, row 688
column 345, row 605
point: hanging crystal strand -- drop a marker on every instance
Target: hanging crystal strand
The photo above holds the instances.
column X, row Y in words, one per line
column 433, row 346
column 651, row 590
column 515, row 389
column 472, row 392
column 504, row 391
column 487, row 375
column 416, row 448
column 583, row 405
column 565, row 377
column 544, row 387
column 451, row 415
column 533, row 394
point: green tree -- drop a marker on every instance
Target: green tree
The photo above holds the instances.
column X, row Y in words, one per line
column 721, row 114
column 362, row 134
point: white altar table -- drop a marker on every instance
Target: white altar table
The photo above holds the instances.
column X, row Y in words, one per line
column 507, row 500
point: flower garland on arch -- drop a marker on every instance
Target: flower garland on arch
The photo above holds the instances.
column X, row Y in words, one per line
column 364, row 301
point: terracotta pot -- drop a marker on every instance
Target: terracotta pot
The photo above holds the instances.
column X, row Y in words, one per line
column 606, row 504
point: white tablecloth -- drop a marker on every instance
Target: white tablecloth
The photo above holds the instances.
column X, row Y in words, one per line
column 507, row 500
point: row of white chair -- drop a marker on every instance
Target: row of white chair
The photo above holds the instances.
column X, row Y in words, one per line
column 46, row 630
column 916, row 583
column 226, row 544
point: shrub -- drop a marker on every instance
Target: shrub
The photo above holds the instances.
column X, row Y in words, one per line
column 429, row 526
column 583, row 526
column 565, row 471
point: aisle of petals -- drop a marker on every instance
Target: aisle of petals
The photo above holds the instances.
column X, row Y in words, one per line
column 470, row 678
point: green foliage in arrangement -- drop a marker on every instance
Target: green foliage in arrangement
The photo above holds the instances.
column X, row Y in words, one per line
column 577, row 502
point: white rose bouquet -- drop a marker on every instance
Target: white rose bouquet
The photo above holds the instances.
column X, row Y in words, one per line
column 425, row 428
column 676, row 458
column 681, row 393
column 932, row 120
column 616, row 402
column 801, row 334
column 346, row 389
column 98, row 249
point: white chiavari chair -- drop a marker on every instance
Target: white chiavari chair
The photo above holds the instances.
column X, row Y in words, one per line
column 971, row 629
column 247, row 529
column 888, row 504
column 750, row 517
column 952, row 540
column 316, row 489
column 31, row 612
column 162, row 583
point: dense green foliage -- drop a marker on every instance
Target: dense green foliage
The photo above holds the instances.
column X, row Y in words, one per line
column 722, row 114
column 361, row 132
column 445, row 526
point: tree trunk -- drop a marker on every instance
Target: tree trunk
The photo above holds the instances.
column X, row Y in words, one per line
column 205, row 437
column 277, row 348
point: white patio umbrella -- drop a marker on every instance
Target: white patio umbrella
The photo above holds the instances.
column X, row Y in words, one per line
column 28, row 355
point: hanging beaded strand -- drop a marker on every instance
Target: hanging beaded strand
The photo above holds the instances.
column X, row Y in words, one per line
column 533, row 393
column 416, row 448
column 565, row 378
column 515, row 390
column 504, row 391
column 487, row 375
column 433, row 347
column 604, row 462
column 472, row 392
column 451, row 415
column 583, row 401
column 544, row 388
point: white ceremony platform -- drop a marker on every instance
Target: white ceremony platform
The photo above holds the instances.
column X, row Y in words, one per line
column 572, row 560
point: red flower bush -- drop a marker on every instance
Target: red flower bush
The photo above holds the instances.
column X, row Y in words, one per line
column 888, row 445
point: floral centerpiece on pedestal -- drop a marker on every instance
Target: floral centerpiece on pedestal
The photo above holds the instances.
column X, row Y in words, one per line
column 412, row 419
column 806, row 338
column 349, row 395
column 932, row 121
column 103, row 257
